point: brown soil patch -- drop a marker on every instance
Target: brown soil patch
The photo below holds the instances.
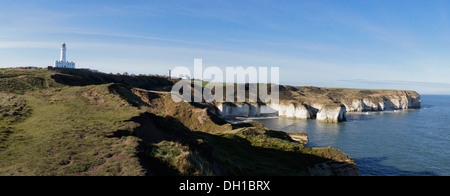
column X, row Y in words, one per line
column 93, row 97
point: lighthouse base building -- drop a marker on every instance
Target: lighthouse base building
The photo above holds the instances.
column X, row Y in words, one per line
column 65, row 64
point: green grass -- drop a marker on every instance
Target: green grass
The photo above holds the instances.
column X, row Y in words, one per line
column 182, row 159
column 74, row 77
column 20, row 81
column 13, row 109
column 67, row 135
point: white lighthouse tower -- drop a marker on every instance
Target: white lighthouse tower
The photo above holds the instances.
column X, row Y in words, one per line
column 63, row 52
column 63, row 63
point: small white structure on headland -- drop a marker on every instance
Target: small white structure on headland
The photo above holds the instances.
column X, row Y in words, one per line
column 62, row 63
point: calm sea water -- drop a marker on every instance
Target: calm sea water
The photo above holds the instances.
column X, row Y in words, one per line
column 399, row 143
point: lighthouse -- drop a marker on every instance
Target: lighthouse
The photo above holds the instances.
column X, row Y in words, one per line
column 63, row 53
column 63, row 63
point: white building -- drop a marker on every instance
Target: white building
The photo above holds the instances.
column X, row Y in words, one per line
column 62, row 63
column 184, row 77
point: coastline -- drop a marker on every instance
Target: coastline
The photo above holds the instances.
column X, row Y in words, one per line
column 322, row 104
column 387, row 143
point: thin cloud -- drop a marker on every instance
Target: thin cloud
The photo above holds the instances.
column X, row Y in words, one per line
column 399, row 82
column 8, row 45
column 302, row 45
column 136, row 36
column 127, row 36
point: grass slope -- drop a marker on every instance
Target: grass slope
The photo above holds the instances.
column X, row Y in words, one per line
column 66, row 134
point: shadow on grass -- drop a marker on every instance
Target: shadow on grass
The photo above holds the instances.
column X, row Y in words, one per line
column 79, row 77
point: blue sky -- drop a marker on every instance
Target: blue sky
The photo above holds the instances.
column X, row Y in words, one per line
column 381, row 44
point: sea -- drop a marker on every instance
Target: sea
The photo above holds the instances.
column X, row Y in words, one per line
column 413, row 142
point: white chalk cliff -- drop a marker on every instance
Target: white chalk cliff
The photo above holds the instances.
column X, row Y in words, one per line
column 334, row 113
column 291, row 110
column 392, row 102
column 330, row 112
column 239, row 109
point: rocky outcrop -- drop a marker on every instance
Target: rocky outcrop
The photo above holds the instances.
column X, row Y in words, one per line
column 334, row 113
column 339, row 164
column 300, row 137
column 239, row 109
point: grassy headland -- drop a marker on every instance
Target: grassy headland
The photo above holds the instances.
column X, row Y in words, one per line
column 75, row 122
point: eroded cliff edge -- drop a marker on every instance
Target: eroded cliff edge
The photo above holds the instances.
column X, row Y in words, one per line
column 324, row 104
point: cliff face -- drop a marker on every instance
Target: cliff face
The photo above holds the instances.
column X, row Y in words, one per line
column 239, row 109
column 327, row 105
column 332, row 114
column 399, row 101
column 291, row 110
column 326, row 113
